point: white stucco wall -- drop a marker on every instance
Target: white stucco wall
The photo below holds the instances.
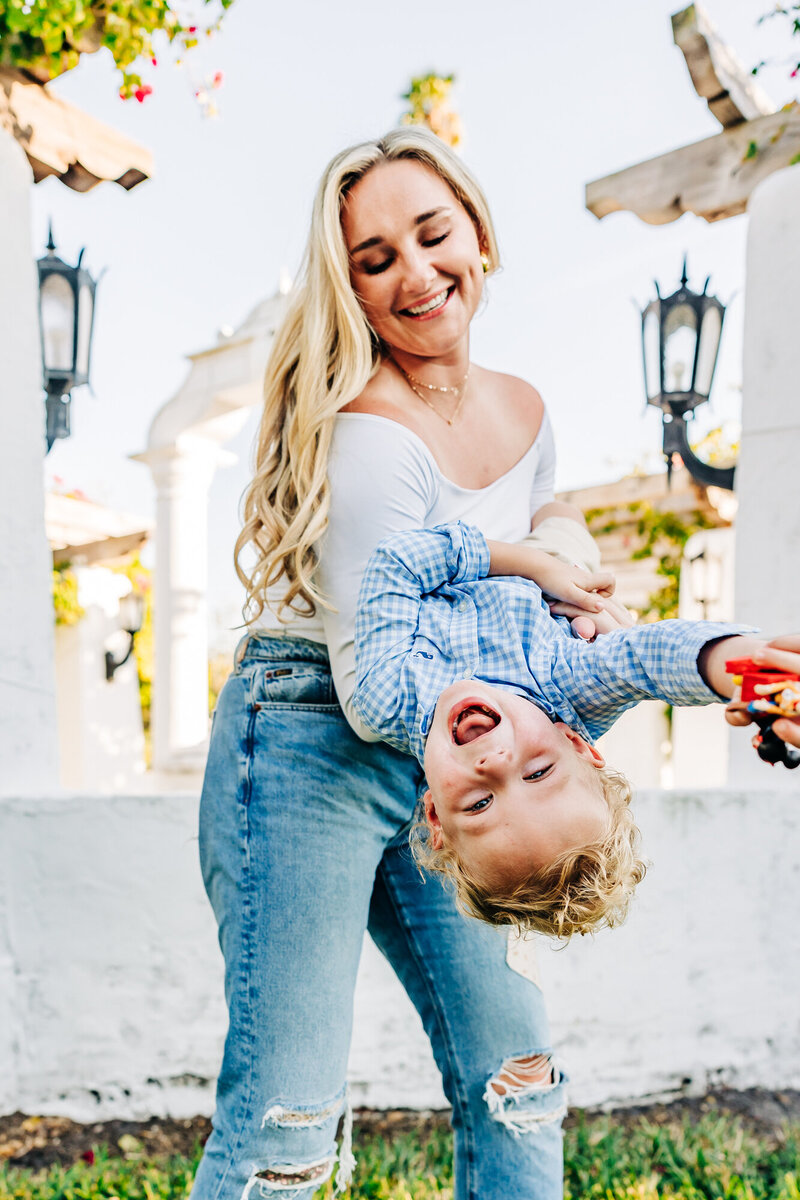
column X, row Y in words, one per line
column 110, row 984
column 768, row 475
column 27, row 681
column 100, row 730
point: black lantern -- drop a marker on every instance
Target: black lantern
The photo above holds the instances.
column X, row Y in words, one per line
column 131, row 614
column 66, row 315
column 680, row 339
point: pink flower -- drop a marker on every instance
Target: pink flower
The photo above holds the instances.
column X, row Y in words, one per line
column 142, row 91
column 219, row 79
column 154, row 61
column 192, row 29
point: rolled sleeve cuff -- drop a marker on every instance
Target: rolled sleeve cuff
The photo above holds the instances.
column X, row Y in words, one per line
column 689, row 685
column 468, row 556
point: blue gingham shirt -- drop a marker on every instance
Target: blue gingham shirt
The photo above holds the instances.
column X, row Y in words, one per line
column 428, row 616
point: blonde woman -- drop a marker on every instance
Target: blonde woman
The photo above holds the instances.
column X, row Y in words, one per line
column 372, row 416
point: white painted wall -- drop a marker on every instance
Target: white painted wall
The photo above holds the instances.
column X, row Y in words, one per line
column 700, row 736
column 28, row 763
column 110, row 984
column 100, row 732
column 768, row 475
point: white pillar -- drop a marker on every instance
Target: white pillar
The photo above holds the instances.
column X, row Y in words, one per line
column 768, row 476
column 28, row 741
column 182, row 477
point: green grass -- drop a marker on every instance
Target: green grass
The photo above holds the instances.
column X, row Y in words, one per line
column 716, row 1158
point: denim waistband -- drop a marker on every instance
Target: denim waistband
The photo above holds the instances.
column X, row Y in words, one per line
column 274, row 647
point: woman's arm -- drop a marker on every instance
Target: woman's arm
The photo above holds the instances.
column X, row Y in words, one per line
column 558, row 579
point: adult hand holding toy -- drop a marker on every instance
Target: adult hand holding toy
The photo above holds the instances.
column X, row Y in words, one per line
column 775, row 699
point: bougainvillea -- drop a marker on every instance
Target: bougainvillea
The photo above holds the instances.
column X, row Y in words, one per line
column 47, row 37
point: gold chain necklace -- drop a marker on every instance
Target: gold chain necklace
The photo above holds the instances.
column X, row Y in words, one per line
column 459, row 390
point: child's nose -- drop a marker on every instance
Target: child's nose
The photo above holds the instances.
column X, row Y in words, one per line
column 488, row 760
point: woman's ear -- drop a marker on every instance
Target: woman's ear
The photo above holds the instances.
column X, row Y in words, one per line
column 433, row 822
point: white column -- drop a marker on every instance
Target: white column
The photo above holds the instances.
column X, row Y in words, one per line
column 768, row 476
column 182, row 476
column 28, row 740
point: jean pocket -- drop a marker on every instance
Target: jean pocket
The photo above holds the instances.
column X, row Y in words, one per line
column 293, row 685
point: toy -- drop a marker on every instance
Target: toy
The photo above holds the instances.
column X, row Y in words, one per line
column 768, row 693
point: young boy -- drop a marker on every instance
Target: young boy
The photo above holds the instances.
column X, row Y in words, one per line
column 501, row 704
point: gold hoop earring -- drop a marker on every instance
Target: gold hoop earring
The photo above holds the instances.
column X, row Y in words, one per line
column 485, row 261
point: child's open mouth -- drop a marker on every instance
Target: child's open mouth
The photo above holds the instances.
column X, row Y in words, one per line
column 471, row 720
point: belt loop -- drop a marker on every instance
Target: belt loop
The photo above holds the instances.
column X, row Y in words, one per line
column 239, row 652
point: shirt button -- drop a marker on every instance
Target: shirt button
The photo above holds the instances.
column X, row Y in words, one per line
column 462, row 604
column 468, row 674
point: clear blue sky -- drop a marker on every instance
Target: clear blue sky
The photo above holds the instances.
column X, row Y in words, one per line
column 551, row 96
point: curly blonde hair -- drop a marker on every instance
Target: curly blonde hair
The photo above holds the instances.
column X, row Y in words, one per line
column 324, row 353
column 583, row 889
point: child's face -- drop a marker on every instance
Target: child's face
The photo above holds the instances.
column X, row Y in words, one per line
column 509, row 789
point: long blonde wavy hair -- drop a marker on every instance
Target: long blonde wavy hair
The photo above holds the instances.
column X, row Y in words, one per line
column 324, row 353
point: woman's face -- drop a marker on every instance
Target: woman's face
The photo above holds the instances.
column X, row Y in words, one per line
column 414, row 257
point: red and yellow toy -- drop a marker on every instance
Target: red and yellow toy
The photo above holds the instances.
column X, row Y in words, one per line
column 768, row 693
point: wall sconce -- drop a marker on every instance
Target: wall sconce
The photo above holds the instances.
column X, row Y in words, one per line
column 131, row 612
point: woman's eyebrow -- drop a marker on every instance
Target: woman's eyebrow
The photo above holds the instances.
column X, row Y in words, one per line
column 435, row 212
column 420, row 220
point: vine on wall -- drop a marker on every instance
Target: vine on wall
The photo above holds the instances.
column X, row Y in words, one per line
column 659, row 534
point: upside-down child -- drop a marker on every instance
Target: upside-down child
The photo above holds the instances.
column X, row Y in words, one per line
column 501, row 703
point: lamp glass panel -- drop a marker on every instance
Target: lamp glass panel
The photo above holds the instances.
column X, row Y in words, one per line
column 58, row 323
column 680, row 341
column 131, row 612
column 710, row 333
column 85, row 306
column 652, row 354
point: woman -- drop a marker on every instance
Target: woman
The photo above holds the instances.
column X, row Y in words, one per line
column 371, row 416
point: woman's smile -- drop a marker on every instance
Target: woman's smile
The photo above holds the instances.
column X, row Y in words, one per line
column 429, row 308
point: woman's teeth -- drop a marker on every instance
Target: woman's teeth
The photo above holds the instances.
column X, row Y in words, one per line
column 436, row 302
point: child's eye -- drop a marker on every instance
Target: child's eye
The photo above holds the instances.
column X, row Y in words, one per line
column 480, row 805
column 435, row 241
column 539, row 774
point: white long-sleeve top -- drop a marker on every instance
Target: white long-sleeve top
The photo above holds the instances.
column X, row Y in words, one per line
column 383, row 480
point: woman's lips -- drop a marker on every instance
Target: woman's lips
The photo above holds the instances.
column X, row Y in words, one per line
column 431, row 307
column 471, row 719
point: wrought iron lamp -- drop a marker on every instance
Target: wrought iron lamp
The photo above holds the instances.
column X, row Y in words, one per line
column 131, row 612
column 66, row 317
column 680, row 340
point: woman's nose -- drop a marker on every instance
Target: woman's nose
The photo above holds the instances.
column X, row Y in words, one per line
column 419, row 272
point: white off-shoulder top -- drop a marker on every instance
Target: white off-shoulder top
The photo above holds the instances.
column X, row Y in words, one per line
column 383, row 478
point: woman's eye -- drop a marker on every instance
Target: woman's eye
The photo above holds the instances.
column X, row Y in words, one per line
column 480, row 805
column 540, row 774
column 377, row 268
column 435, row 241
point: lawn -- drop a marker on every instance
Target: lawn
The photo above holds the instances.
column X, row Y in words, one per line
column 691, row 1156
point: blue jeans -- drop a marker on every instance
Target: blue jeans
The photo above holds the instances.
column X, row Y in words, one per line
column 303, row 843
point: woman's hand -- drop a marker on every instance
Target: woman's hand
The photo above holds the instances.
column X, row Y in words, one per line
column 782, row 653
column 586, row 590
column 589, row 624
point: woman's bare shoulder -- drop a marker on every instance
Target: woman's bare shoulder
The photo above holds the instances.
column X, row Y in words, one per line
column 378, row 397
column 520, row 400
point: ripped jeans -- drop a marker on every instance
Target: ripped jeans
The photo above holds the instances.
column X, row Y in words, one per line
column 303, row 843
